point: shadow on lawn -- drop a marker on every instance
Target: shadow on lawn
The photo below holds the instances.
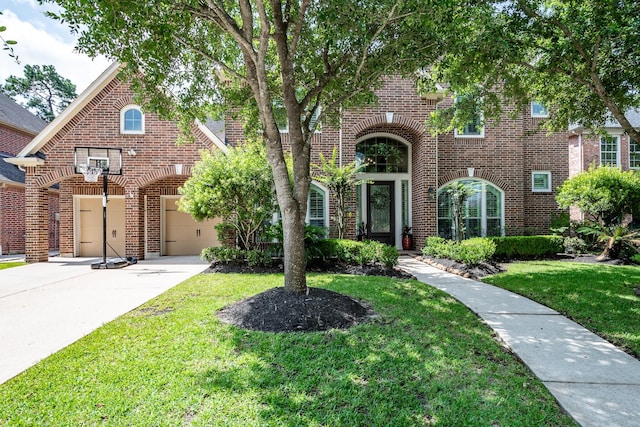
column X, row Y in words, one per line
column 426, row 358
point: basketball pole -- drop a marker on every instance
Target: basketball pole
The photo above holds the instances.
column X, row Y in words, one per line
column 104, row 218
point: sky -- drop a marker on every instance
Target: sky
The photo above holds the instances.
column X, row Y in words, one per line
column 43, row 41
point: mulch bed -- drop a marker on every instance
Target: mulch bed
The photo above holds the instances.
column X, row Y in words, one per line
column 278, row 310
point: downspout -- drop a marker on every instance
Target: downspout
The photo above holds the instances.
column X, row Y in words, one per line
column 340, row 138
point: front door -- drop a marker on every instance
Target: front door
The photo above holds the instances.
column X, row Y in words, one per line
column 380, row 212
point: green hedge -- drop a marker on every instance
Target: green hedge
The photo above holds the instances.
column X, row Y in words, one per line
column 347, row 251
column 470, row 251
column 527, row 247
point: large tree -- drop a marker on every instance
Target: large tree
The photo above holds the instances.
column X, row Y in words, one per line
column 267, row 62
column 46, row 93
column 579, row 58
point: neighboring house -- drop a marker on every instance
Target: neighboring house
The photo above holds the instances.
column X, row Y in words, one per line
column 142, row 217
column 514, row 169
column 18, row 127
column 613, row 148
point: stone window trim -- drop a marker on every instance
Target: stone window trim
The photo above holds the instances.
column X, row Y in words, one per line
column 128, row 124
column 538, row 186
column 610, row 155
column 538, row 110
column 634, row 155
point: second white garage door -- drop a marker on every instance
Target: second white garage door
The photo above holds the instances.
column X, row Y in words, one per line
column 182, row 235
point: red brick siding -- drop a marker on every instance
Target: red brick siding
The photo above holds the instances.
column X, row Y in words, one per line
column 151, row 172
column 12, row 141
column 507, row 154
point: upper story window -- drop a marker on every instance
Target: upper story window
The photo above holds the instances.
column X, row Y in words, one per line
column 383, row 155
column 283, row 123
column 609, row 150
column 473, row 128
column 131, row 120
column 539, row 110
column 634, row 155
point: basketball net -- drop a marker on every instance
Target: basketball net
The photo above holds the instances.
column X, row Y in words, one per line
column 90, row 173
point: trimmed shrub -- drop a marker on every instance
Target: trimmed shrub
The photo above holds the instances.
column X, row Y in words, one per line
column 437, row 247
column 474, row 251
column 389, row 256
column 222, row 255
column 575, row 245
column 470, row 251
column 527, row 247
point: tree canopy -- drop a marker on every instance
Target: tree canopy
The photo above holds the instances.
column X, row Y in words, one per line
column 578, row 58
column 46, row 93
column 265, row 62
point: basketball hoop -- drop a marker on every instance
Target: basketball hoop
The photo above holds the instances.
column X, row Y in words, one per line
column 90, row 173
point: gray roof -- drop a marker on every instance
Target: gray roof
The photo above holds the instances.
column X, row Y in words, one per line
column 16, row 116
column 632, row 115
column 217, row 127
column 9, row 172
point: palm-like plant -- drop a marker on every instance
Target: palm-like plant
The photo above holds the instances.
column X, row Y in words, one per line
column 616, row 239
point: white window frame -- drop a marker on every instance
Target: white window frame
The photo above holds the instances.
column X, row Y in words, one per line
column 545, row 112
column 637, row 150
column 617, row 152
column 458, row 134
column 325, row 201
column 122, row 120
column 483, row 203
column 547, row 189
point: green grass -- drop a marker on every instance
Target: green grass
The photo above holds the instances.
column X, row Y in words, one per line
column 599, row 297
column 9, row 264
column 427, row 360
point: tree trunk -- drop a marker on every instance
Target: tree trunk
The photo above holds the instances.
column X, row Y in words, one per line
column 295, row 264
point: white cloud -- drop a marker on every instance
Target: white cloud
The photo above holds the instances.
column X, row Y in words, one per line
column 41, row 46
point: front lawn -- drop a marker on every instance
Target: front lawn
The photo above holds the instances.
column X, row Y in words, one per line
column 9, row 264
column 599, row 297
column 426, row 360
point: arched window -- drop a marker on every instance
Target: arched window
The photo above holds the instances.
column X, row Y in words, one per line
column 483, row 211
column 131, row 120
column 381, row 154
column 317, row 207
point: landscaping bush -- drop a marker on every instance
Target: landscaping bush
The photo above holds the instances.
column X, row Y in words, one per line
column 575, row 245
column 474, row 251
column 346, row 251
column 222, row 255
column 527, row 247
column 437, row 247
column 470, row 251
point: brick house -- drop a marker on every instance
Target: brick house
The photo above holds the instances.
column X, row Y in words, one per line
column 614, row 148
column 514, row 169
column 104, row 127
column 18, row 127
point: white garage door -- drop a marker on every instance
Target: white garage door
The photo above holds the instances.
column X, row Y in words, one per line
column 182, row 234
column 90, row 226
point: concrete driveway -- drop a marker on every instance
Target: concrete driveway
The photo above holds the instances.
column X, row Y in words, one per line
column 46, row 306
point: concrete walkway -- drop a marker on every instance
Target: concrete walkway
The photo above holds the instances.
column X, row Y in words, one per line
column 595, row 382
column 46, row 306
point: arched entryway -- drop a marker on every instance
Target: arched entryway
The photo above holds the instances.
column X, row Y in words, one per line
column 384, row 201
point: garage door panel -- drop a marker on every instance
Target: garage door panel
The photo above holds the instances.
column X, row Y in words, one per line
column 185, row 236
column 90, row 227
